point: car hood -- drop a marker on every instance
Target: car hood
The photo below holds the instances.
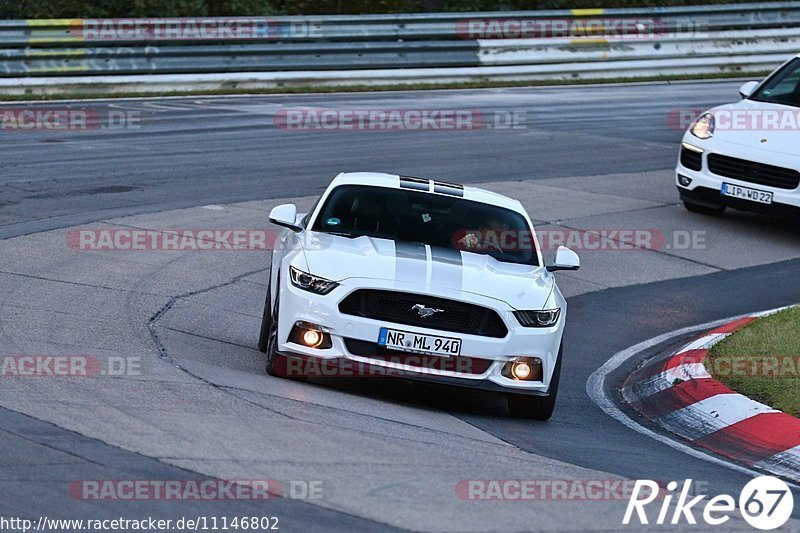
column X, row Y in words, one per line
column 781, row 140
column 426, row 268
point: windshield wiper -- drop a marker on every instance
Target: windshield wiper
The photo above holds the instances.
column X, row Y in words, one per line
column 355, row 235
column 342, row 234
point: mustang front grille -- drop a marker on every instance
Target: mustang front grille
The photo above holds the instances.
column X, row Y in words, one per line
column 404, row 308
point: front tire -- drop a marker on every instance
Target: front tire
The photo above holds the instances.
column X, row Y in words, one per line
column 276, row 364
column 537, row 407
column 266, row 324
column 272, row 343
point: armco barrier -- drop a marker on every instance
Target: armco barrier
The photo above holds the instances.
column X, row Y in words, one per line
column 107, row 55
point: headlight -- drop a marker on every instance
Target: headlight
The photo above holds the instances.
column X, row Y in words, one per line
column 703, row 127
column 538, row 319
column 307, row 282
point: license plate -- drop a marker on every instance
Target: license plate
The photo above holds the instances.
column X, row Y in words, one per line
column 417, row 343
column 746, row 193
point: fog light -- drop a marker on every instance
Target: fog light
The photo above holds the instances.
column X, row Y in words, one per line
column 521, row 370
column 312, row 338
column 685, row 181
column 310, row 335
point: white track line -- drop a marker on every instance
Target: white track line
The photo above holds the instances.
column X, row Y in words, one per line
column 595, row 390
column 704, row 342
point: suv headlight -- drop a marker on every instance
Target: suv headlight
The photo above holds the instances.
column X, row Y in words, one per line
column 703, row 127
column 307, row 282
column 538, row 319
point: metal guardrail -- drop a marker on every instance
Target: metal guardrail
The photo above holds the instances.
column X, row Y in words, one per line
column 431, row 25
column 401, row 48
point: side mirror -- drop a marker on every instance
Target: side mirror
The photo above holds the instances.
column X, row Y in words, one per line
column 748, row 88
column 285, row 215
column 566, row 259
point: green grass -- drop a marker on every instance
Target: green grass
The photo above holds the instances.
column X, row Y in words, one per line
column 762, row 361
column 304, row 89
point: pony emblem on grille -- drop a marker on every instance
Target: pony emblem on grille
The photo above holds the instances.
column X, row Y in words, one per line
column 425, row 312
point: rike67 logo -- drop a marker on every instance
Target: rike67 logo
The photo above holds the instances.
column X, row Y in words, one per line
column 765, row 503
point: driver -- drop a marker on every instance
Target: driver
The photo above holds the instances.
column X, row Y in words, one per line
column 474, row 238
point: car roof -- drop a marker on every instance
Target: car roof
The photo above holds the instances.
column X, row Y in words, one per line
column 393, row 181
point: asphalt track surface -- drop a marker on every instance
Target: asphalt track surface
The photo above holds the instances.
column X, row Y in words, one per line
column 198, row 151
column 188, row 152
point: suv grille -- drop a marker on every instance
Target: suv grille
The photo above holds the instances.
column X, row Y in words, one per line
column 750, row 171
column 391, row 306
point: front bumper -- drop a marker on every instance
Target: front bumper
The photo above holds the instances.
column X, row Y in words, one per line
column 296, row 365
column 491, row 353
column 712, row 198
column 705, row 187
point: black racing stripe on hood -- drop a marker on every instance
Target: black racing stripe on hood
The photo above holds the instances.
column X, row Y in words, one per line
column 410, row 261
column 447, row 269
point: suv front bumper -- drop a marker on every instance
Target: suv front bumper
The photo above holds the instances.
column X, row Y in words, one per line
column 706, row 188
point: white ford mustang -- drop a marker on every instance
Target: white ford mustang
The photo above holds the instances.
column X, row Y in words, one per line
column 746, row 155
column 399, row 276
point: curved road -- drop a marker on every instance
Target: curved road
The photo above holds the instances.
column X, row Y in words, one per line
column 194, row 151
column 582, row 158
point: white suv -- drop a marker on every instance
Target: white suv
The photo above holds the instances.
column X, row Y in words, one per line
column 420, row 279
column 746, row 155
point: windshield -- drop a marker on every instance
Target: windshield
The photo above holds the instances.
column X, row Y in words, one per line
column 783, row 87
column 436, row 220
